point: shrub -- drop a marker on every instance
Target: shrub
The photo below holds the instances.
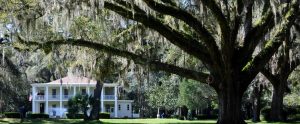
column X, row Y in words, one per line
column 75, row 116
column 174, row 116
column 205, row 116
column 104, row 115
column 294, row 117
column 12, row 114
column 266, row 113
column 37, row 115
column 181, row 117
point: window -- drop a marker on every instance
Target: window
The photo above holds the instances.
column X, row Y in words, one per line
column 119, row 107
column 54, row 106
column 66, row 93
column 53, row 93
column 83, row 91
column 112, row 109
column 128, row 107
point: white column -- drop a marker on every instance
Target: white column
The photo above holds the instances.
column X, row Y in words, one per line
column 74, row 93
column 88, row 90
column 46, row 96
column 116, row 102
column 60, row 101
column 102, row 98
column 33, row 99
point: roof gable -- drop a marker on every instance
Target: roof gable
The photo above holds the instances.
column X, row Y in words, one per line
column 73, row 80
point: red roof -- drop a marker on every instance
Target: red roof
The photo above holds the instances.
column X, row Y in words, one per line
column 73, row 80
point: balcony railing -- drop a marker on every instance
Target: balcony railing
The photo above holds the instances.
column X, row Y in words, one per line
column 66, row 97
column 53, row 112
column 39, row 97
column 109, row 97
column 53, row 97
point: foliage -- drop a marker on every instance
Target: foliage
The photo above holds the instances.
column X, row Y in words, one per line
column 266, row 111
column 104, row 115
column 223, row 43
column 206, row 117
column 81, row 116
column 73, row 108
column 79, row 102
column 293, row 99
column 37, row 115
column 12, row 114
column 163, row 94
column 75, row 116
column 195, row 95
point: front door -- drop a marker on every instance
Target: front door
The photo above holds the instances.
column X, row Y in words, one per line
column 42, row 107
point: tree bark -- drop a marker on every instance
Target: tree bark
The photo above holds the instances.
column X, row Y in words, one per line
column 277, row 102
column 230, row 99
column 96, row 104
column 256, row 103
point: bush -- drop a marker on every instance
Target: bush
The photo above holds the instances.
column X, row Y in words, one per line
column 294, row 117
column 292, row 113
column 12, row 114
column 205, row 116
column 174, row 116
column 75, row 116
column 181, row 117
column 266, row 113
column 37, row 115
column 104, row 115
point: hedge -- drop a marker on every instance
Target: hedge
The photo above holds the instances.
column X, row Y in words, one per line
column 104, row 115
column 12, row 114
column 266, row 112
column 37, row 115
column 75, row 116
column 205, row 116
column 81, row 116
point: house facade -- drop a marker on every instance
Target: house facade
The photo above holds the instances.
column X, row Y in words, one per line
column 52, row 98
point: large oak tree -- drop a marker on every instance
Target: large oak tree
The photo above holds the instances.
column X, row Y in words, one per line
column 227, row 50
column 278, row 71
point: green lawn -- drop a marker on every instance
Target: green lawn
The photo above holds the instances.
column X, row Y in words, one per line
column 110, row 121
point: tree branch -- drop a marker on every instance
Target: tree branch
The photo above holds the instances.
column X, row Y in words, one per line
column 193, row 22
column 293, row 65
column 180, row 39
column 254, row 36
column 189, row 19
column 218, row 14
column 9, row 66
column 139, row 59
column 272, row 78
column 257, row 63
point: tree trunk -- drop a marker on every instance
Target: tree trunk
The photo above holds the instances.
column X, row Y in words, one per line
column 256, row 102
column 96, row 104
column 230, row 99
column 158, row 115
column 277, row 102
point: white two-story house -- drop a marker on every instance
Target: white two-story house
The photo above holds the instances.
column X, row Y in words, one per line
column 52, row 98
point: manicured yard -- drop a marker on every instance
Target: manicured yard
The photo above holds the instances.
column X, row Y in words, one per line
column 105, row 121
column 111, row 121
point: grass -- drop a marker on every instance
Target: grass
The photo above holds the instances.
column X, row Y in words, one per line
column 105, row 121
column 112, row 121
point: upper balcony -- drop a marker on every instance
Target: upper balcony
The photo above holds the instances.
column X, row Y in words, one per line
column 52, row 97
column 68, row 92
column 109, row 97
column 66, row 97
